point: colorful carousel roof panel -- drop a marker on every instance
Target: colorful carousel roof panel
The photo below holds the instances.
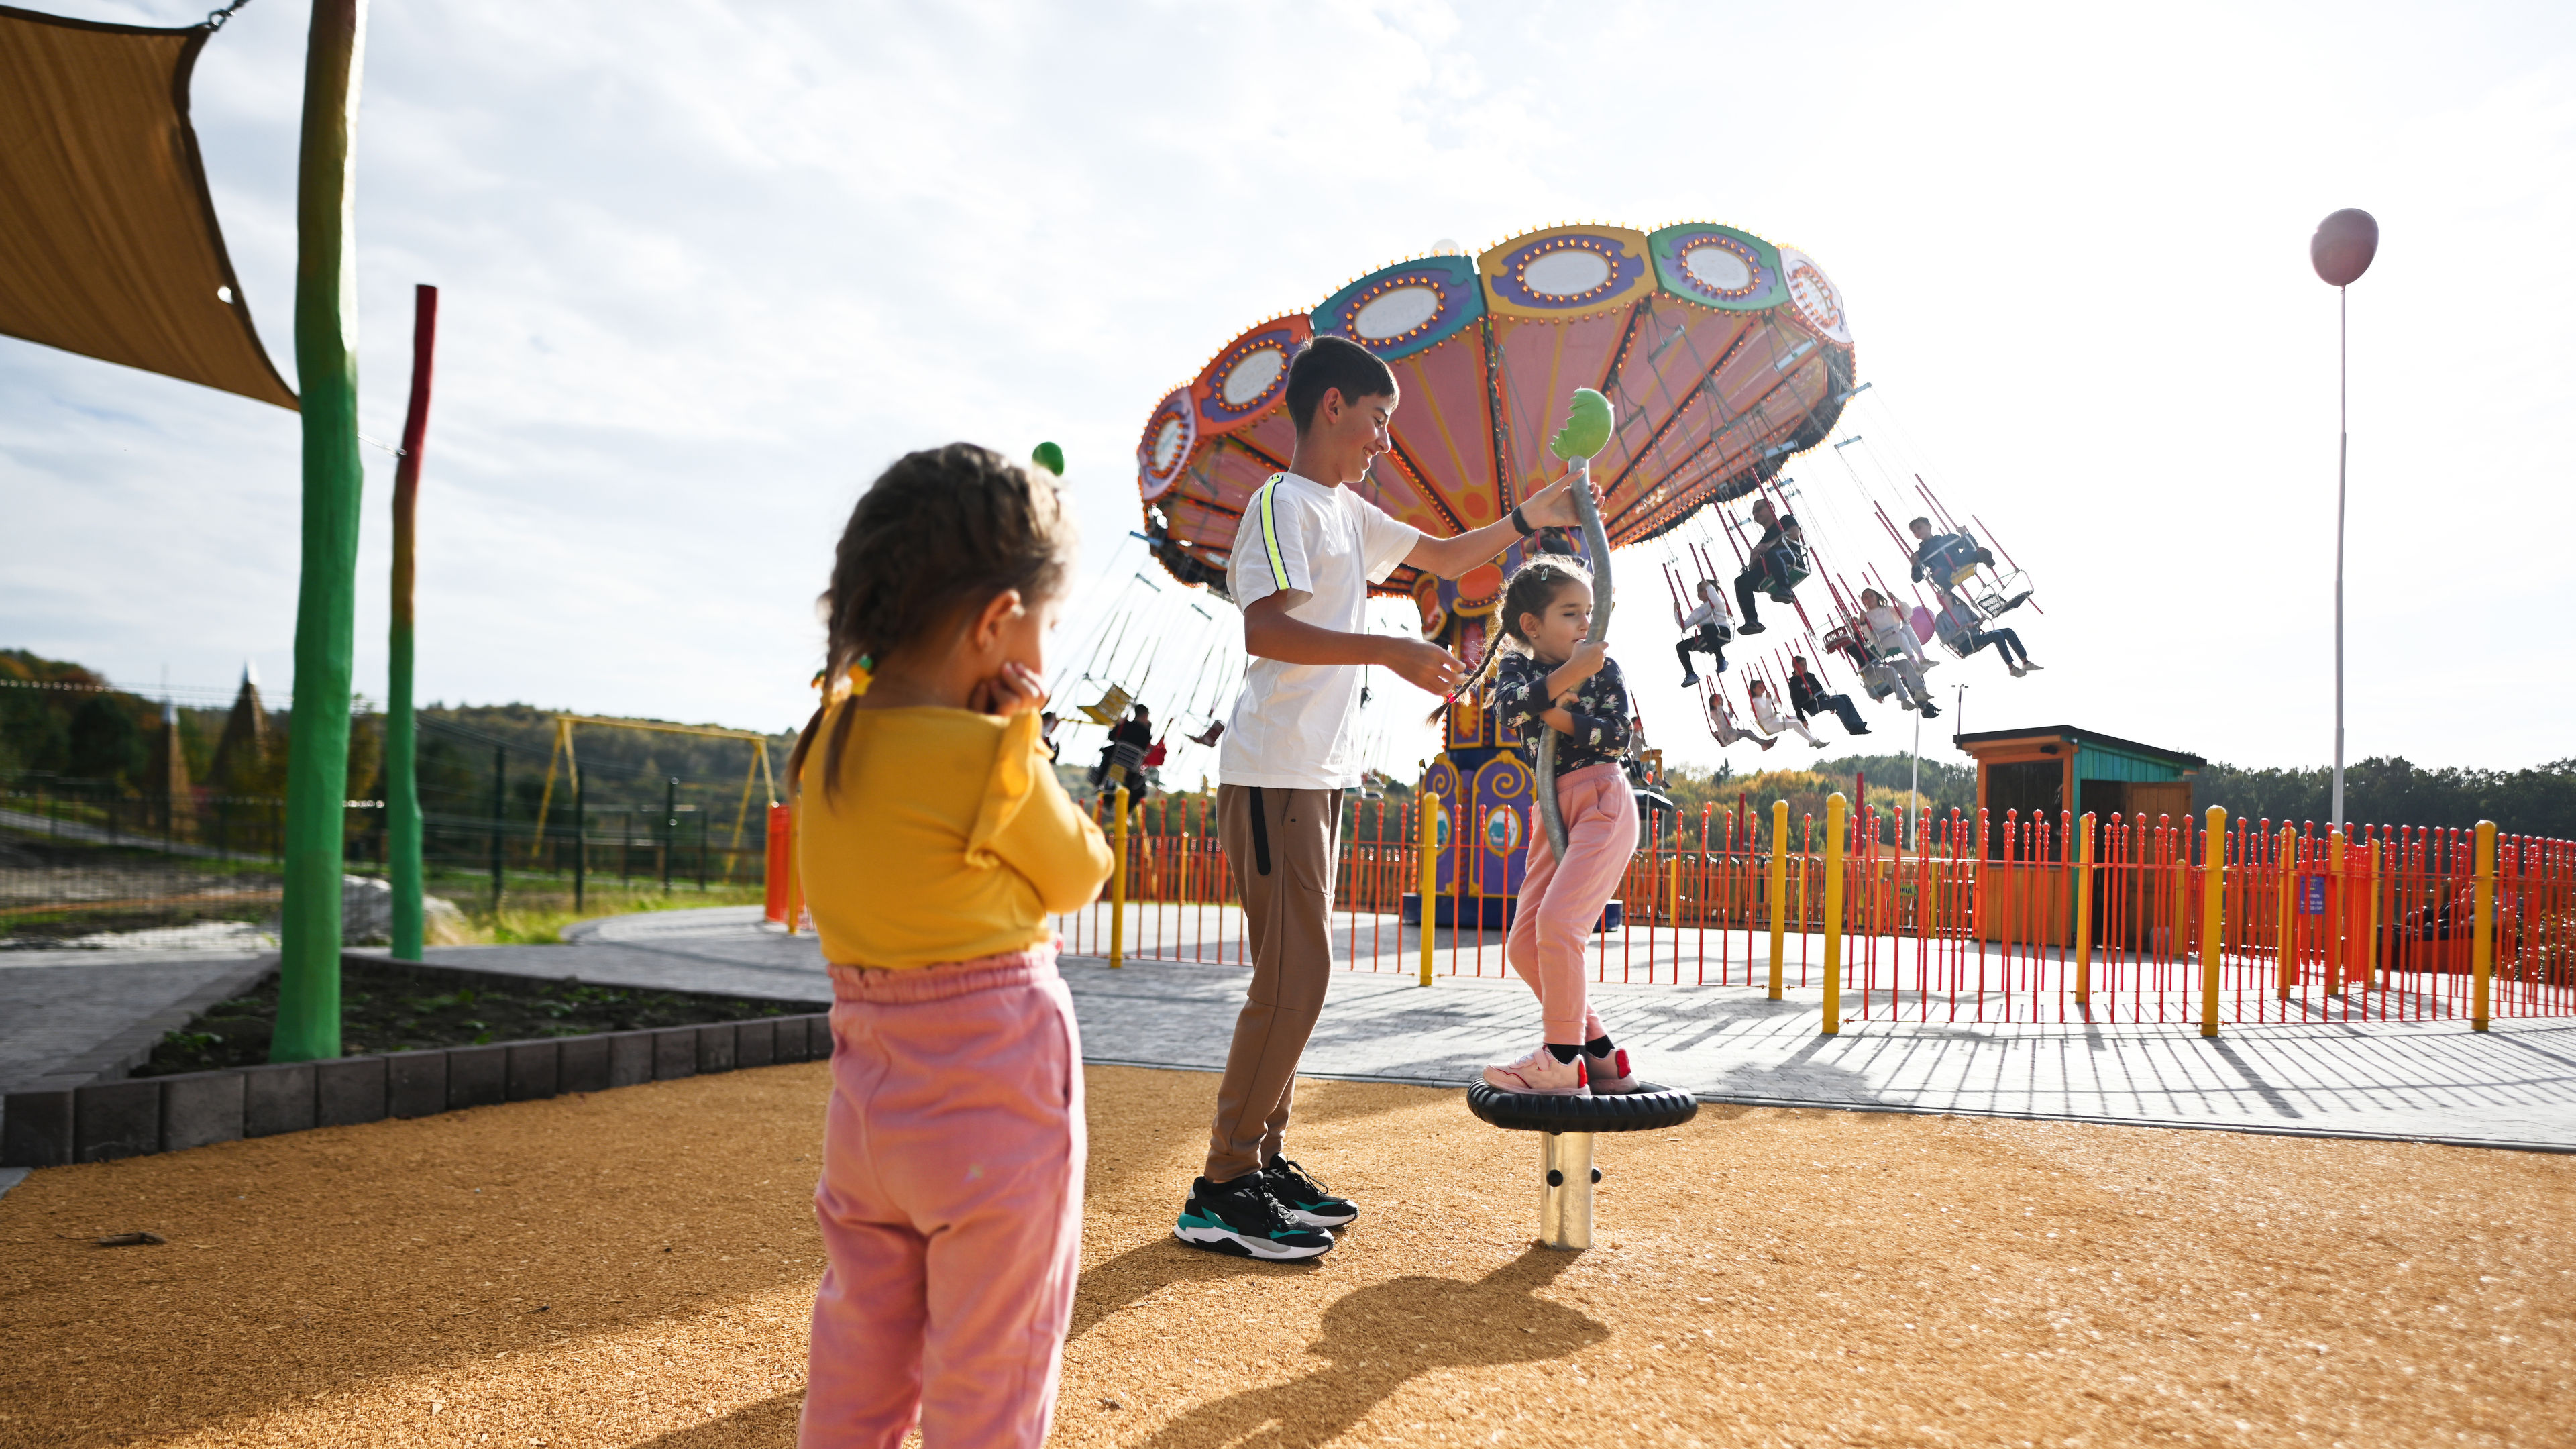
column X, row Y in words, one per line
column 1724, row 354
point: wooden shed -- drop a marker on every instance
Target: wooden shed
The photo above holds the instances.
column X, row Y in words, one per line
column 2060, row 767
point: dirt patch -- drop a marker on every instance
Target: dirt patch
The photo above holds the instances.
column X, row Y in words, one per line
column 390, row 1008
column 634, row 1268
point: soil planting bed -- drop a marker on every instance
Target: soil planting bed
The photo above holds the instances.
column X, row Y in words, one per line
column 390, row 1008
column 634, row 1268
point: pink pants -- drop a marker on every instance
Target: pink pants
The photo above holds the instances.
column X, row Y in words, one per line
column 1559, row 906
column 950, row 1203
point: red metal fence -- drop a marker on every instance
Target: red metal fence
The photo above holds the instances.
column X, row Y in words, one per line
column 1968, row 919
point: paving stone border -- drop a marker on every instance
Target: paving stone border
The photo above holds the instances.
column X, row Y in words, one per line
column 52, row 1125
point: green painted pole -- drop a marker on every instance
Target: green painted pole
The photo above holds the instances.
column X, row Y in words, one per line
column 402, row 764
column 326, row 368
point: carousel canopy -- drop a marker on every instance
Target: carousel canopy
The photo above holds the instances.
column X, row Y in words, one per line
column 1723, row 353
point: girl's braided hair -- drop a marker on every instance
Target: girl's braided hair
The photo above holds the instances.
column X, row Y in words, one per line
column 1533, row 589
column 940, row 533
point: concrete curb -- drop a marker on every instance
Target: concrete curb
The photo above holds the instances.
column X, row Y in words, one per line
column 63, row 1119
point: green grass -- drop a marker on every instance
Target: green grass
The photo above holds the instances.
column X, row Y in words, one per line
column 535, row 913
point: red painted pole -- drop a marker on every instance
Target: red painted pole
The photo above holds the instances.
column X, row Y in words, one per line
column 402, row 778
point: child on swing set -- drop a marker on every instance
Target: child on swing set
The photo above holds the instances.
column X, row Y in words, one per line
column 934, row 842
column 1547, row 677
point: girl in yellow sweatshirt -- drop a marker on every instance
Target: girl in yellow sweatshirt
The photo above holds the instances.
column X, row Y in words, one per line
column 934, row 842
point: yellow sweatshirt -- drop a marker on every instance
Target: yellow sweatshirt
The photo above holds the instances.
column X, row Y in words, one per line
column 948, row 839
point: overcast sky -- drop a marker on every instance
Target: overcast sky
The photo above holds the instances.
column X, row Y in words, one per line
column 705, row 268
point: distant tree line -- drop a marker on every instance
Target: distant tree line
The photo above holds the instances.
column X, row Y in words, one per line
column 2389, row 790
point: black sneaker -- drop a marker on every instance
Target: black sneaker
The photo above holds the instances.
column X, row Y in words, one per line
column 1307, row 1201
column 1750, row 626
column 1242, row 1220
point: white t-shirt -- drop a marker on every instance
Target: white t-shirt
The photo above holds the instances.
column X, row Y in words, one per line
column 1294, row 726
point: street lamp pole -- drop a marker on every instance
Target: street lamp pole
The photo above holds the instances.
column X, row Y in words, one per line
column 1913, row 784
column 2343, row 457
column 2341, row 251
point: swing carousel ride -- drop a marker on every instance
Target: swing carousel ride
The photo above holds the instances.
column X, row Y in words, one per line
column 1723, row 355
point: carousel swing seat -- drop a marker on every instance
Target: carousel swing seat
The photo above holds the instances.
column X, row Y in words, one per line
column 1111, row 708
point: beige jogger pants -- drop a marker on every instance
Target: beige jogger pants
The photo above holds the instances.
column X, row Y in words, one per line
column 1279, row 843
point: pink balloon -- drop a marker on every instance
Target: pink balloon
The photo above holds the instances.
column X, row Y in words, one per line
column 2343, row 246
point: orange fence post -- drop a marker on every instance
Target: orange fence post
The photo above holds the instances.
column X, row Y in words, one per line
column 1835, row 806
column 2335, row 897
column 1779, row 889
column 2483, row 948
column 2084, row 911
column 776, row 868
column 1428, row 828
column 2213, row 887
column 2370, row 927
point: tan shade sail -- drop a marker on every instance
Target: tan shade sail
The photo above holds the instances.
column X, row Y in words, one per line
column 108, row 241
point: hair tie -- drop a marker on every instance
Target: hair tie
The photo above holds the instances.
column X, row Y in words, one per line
column 850, row 685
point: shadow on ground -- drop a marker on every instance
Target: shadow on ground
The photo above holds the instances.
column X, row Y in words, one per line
column 1494, row 1320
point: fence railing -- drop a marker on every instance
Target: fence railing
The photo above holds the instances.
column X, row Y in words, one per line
column 66, row 848
column 1959, row 919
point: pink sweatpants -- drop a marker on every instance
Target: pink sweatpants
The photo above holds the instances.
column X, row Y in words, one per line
column 1558, row 906
column 951, row 1205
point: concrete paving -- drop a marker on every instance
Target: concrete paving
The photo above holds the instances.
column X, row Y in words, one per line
column 2514, row 1086
column 68, row 1018
column 723, row 950
column 91, row 1013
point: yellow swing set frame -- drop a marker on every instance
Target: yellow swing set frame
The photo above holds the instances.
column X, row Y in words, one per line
column 756, row 770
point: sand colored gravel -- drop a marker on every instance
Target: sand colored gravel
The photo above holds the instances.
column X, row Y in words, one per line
column 633, row 1268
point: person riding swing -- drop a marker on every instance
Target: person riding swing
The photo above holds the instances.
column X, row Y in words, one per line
column 1942, row 557
column 1779, row 562
column 1809, row 697
column 1123, row 759
column 1705, row 630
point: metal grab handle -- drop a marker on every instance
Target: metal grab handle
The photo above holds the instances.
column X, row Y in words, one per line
column 1597, row 544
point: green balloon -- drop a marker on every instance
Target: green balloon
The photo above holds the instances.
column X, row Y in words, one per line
column 1050, row 457
column 1587, row 427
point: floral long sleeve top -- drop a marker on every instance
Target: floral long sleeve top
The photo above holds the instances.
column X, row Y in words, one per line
column 1600, row 709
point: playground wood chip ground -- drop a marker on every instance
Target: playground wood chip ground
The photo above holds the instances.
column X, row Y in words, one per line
column 634, row 1268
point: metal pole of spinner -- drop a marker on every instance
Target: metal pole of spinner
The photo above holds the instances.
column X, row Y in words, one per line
column 1566, row 1179
column 1566, row 1127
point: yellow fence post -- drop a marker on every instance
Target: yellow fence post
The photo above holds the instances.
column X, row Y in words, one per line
column 2483, row 943
column 2334, row 912
column 2370, row 925
column 1118, row 882
column 1779, row 890
column 2213, row 888
column 1429, row 850
column 2084, row 910
column 1835, row 805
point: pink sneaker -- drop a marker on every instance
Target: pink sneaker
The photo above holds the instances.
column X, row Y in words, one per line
column 1539, row 1074
column 1609, row 1075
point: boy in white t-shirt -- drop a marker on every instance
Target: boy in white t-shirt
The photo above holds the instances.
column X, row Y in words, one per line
column 1304, row 556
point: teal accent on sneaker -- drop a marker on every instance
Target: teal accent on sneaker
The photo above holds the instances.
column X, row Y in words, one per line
column 1306, row 1201
column 1246, row 1222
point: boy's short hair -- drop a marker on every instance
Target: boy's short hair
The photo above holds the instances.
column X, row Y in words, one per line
column 1926, row 522
column 1330, row 363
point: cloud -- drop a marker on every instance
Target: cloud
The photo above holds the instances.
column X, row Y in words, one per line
column 705, row 268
